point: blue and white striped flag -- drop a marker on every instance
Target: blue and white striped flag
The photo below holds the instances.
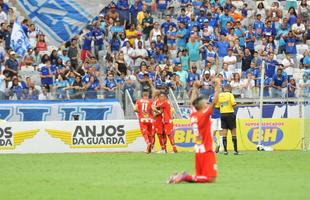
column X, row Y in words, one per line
column 19, row 40
column 60, row 20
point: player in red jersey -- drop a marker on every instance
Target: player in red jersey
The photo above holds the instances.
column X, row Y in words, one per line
column 145, row 114
column 165, row 105
column 205, row 161
column 158, row 122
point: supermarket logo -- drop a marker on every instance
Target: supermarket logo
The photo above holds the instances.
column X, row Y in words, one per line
column 271, row 135
column 9, row 139
column 86, row 136
column 183, row 136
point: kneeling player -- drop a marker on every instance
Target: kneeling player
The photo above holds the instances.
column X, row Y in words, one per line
column 144, row 109
column 205, row 160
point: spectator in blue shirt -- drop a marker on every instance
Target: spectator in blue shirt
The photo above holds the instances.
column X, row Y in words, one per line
column 279, row 81
column 267, row 30
column 11, row 65
column 292, row 16
column 183, row 17
column 115, row 44
column 270, row 65
column 110, row 87
column 222, row 48
column 165, row 26
column 258, row 26
column 16, row 90
column 291, row 88
column 193, row 76
column 224, row 18
column 91, row 88
column 60, row 87
column 282, row 31
column 4, row 6
column 249, row 38
column 134, row 9
column 130, row 87
column 290, row 41
column 46, row 74
column 193, row 47
column 98, row 36
column 267, row 86
column 181, row 36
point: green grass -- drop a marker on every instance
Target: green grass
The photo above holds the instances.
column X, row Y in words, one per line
column 253, row 175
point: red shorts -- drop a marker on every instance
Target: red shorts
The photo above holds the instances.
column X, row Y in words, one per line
column 168, row 128
column 146, row 128
column 85, row 54
column 206, row 164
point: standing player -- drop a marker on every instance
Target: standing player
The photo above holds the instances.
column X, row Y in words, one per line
column 165, row 105
column 158, row 123
column 216, row 125
column 205, row 160
column 145, row 114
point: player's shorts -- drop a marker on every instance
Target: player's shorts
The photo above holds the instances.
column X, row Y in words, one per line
column 205, row 164
column 168, row 128
column 228, row 121
column 216, row 124
column 146, row 128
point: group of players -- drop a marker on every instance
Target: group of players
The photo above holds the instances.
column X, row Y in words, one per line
column 155, row 118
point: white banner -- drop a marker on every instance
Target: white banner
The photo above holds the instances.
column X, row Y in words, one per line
column 71, row 136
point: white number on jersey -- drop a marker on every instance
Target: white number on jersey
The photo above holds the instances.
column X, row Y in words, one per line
column 200, row 148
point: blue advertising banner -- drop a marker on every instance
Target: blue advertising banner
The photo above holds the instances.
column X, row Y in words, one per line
column 60, row 110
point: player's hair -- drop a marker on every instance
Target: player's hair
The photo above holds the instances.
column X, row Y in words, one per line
column 145, row 93
column 197, row 101
column 227, row 88
column 163, row 93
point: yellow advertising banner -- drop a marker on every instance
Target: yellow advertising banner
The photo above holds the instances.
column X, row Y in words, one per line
column 280, row 134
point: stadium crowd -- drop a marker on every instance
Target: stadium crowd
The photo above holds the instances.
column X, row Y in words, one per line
column 168, row 44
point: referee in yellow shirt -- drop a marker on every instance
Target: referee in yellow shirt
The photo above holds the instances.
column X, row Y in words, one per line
column 226, row 105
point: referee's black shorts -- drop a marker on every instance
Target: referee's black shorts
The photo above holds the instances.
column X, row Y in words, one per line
column 228, row 121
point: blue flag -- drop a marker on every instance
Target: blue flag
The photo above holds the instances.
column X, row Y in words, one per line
column 60, row 20
column 19, row 40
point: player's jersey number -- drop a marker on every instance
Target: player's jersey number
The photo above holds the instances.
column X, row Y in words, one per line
column 200, row 148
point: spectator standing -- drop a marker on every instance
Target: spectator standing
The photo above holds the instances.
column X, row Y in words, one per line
column 73, row 53
column 194, row 51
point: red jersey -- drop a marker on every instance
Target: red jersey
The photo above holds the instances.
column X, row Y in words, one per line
column 167, row 115
column 158, row 118
column 145, row 112
column 201, row 123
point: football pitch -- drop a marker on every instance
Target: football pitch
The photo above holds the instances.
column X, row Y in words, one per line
column 119, row 176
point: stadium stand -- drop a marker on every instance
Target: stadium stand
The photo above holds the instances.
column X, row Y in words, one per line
column 168, row 44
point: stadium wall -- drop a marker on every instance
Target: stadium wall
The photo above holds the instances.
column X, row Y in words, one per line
column 124, row 136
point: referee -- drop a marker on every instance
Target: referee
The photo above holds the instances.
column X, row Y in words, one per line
column 226, row 105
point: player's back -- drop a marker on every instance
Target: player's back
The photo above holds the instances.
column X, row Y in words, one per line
column 226, row 102
column 145, row 112
column 159, row 117
column 204, row 127
column 167, row 114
